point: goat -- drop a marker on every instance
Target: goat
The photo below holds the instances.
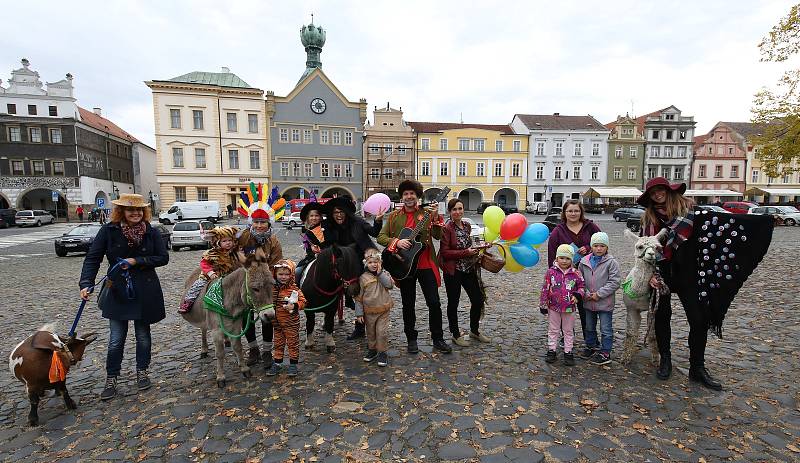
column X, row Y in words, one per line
column 42, row 361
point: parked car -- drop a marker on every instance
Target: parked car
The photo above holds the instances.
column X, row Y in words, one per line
column 185, row 210
column 33, row 217
column 79, row 239
column 711, row 207
column 738, row 207
column 536, row 207
column 291, row 220
column 634, row 221
column 508, row 209
column 3, row 223
column 166, row 233
column 8, row 215
column 555, row 210
column 622, row 214
column 552, row 220
column 191, row 233
column 788, row 214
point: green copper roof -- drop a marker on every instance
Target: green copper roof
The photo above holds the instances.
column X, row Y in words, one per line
column 220, row 79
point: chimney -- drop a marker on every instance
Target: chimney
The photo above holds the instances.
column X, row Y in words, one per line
column 226, row 69
column 556, row 114
column 98, row 111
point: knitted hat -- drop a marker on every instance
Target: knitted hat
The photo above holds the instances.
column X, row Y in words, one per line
column 599, row 238
column 565, row 250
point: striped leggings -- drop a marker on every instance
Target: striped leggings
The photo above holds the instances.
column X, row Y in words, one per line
column 286, row 334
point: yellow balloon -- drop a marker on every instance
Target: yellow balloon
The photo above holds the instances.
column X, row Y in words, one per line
column 493, row 217
column 489, row 235
column 511, row 264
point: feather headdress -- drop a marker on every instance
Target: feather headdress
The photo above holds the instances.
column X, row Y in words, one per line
column 253, row 203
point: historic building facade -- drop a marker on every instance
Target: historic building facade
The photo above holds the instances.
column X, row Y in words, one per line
column 719, row 160
column 317, row 134
column 670, row 141
column 625, row 153
column 480, row 162
column 211, row 137
column 567, row 155
column 389, row 152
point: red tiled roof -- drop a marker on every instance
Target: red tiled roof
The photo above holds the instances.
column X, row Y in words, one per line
column 101, row 123
column 559, row 122
column 639, row 120
column 430, row 127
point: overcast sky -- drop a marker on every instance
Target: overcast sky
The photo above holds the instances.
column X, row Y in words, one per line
column 437, row 60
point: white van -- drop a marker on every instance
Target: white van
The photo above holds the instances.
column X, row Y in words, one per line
column 186, row 210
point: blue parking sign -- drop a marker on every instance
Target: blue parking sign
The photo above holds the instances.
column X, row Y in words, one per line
column 55, row 196
column 101, row 202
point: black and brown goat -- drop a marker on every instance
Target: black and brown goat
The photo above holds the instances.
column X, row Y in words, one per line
column 33, row 359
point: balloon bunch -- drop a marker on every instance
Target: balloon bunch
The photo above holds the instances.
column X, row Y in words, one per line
column 518, row 240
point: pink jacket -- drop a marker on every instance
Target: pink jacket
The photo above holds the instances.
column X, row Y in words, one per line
column 559, row 287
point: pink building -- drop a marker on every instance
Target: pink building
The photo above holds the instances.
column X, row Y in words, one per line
column 720, row 160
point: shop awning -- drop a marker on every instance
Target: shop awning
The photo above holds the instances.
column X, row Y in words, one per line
column 712, row 193
column 773, row 191
column 601, row 192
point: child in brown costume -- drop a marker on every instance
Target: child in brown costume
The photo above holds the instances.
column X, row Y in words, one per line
column 372, row 306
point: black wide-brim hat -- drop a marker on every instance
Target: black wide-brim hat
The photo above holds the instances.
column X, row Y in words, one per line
column 410, row 184
column 315, row 206
column 340, row 202
column 644, row 199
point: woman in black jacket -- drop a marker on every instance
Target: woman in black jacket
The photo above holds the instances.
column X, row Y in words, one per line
column 129, row 237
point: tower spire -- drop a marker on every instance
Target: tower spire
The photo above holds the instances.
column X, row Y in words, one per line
column 313, row 39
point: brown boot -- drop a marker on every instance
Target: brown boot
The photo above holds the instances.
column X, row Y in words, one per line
column 253, row 356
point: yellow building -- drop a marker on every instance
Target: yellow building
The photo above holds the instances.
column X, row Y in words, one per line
column 480, row 163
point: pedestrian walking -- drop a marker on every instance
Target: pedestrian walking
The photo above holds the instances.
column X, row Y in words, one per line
column 601, row 275
column 373, row 304
column 132, row 294
column 79, row 211
column 563, row 287
column 230, row 211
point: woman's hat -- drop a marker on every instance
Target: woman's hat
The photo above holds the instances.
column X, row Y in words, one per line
column 315, row 206
column 340, row 202
column 130, row 200
column 644, row 199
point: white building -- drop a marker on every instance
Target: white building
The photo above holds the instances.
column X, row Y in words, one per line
column 567, row 155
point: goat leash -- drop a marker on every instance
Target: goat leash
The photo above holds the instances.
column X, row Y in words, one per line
column 655, row 299
column 128, row 287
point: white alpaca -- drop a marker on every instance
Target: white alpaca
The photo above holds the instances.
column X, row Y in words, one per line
column 637, row 293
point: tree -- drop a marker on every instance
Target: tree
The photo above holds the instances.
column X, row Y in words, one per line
column 777, row 112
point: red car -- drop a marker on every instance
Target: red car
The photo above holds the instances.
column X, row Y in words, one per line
column 738, row 207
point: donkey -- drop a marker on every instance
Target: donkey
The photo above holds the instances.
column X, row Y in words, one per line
column 335, row 270
column 247, row 287
column 636, row 293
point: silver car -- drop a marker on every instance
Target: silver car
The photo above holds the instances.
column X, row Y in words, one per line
column 789, row 214
column 191, row 233
column 33, row 217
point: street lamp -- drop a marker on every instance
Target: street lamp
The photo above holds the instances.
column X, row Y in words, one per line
column 66, row 202
column 150, row 197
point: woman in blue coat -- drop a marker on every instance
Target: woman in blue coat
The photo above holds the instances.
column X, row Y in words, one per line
column 128, row 236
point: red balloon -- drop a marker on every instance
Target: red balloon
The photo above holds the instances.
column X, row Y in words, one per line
column 513, row 226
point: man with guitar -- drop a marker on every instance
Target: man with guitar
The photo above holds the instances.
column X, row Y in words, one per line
column 410, row 257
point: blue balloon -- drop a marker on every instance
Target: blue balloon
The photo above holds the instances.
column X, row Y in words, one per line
column 524, row 255
column 536, row 233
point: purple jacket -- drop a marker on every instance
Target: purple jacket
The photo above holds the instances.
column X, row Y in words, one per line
column 559, row 287
column 562, row 235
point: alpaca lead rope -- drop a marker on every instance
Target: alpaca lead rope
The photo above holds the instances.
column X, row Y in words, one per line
column 654, row 302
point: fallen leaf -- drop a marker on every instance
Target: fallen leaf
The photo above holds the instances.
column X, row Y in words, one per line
column 320, row 441
column 793, row 448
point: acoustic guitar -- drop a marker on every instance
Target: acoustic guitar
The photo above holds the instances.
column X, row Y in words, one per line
column 403, row 262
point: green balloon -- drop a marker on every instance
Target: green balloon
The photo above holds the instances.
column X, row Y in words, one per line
column 493, row 218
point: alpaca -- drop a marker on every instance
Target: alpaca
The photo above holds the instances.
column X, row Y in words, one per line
column 637, row 294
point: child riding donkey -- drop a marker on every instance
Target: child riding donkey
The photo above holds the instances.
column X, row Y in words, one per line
column 217, row 262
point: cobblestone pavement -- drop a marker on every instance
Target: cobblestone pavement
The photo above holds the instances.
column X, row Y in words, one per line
column 496, row 402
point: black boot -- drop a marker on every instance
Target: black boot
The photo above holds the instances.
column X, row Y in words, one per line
column 358, row 332
column 664, row 367
column 701, row 375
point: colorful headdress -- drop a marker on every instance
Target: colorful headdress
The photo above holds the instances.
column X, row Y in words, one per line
column 254, row 204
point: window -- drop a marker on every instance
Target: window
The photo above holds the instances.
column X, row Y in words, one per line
column 578, row 149
column 325, row 137
column 401, row 150
column 295, row 135
column 175, row 118
column 479, row 145
column 515, row 169
column 232, row 125
column 786, row 178
column 498, row 145
column 717, row 171
column 631, row 173
column 38, row 167
column 655, row 151
column 388, row 173
column 17, row 168
column 443, row 144
column 754, row 176
column 710, row 149
column 177, row 157
column 730, row 150
column 654, row 135
column 668, row 134
column 11, row 108
column 31, row 109
column 539, row 148
column 324, row 170
column 595, row 149
column 652, row 172
column 284, row 135
column 425, row 144
column 14, row 134
column 255, row 160
column 401, row 174
column 374, row 149
column 666, row 172
column 375, row 173
column 595, row 172
column 539, row 171
column 576, row 172
column 425, row 168
column 387, row 149
column 734, row 171
column 498, row 169
column 518, row 146
column 202, row 193
column 295, row 169
column 463, row 145
column 252, row 123
column 337, row 137
column 307, row 136
column 348, row 138
column 682, row 135
column 480, row 169
column 308, row 169
column 36, row 134
column 52, row 110
column 557, row 173
column 55, row 135
column 618, row 173
column 678, row 173
column 701, row 171
column 633, row 152
column 200, row 158
column 559, row 148
column 667, row 151
column 233, row 159
column 443, row 168
column 284, row 169
column 180, row 193
column 58, row 168
column 681, row 151
column 462, row 169
column 669, row 117
column 197, row 119
column 618, row 152
column 337, row 170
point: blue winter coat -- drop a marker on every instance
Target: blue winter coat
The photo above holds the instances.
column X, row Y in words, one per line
column 148, row 305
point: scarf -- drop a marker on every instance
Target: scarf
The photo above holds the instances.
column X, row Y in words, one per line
column 261, row 238
column 133, row 233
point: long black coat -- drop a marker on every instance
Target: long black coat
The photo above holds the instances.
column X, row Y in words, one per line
column 355, row 230
column 148, row 305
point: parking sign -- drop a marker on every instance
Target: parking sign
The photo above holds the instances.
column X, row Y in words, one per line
column 55, row 196
column 101, row 202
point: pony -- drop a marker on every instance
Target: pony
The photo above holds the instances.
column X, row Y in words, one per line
column 249, row 287
column 335, row 271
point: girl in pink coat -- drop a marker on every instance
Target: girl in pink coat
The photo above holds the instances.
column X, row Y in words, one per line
column 563, row 285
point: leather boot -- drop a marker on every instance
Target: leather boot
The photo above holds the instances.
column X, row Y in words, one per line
column 664, row 367
column 358, row 332
column 700, row 375
column 253, row 356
